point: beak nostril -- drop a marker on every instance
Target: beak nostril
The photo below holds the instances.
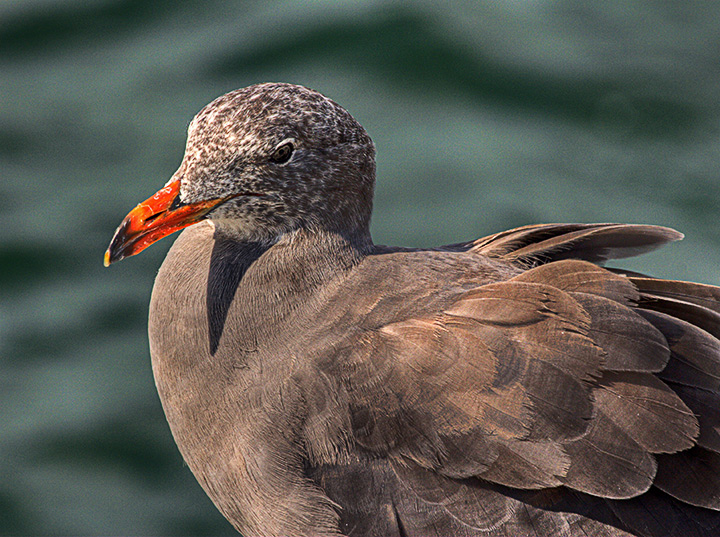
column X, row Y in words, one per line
column 152, row 217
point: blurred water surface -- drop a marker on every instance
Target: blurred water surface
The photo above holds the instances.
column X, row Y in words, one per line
column 486, row 115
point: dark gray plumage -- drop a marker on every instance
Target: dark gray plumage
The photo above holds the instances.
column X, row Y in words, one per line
column 317, row 384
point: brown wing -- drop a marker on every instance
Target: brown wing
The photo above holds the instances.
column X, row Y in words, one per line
column 566, row 399
column 543, row 243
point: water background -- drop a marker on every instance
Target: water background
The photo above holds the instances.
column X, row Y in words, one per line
column 486, row 115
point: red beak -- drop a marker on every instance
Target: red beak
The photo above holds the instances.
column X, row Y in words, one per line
column 155, row 218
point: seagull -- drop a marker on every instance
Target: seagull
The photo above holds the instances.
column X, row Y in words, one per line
column 318, row 384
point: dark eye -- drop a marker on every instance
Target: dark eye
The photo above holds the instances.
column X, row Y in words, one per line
column 282, row 154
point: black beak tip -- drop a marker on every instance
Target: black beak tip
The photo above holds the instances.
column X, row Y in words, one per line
column 118, row 244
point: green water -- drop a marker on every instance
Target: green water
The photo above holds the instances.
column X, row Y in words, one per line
column 486, row 115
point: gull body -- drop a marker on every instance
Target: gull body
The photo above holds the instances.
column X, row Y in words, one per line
column 319, row 384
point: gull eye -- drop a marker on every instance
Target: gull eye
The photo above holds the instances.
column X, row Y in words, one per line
column 282, row 154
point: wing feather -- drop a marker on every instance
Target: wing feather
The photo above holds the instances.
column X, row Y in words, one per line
column 596, row 386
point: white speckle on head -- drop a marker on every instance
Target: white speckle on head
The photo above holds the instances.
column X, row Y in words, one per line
column 327, row 182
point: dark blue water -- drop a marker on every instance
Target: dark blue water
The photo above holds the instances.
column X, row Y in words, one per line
column 486, row 116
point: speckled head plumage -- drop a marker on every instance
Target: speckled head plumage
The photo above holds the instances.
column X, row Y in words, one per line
column 327, row 182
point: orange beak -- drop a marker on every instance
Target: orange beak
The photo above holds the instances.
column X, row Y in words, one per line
column 155, row 218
